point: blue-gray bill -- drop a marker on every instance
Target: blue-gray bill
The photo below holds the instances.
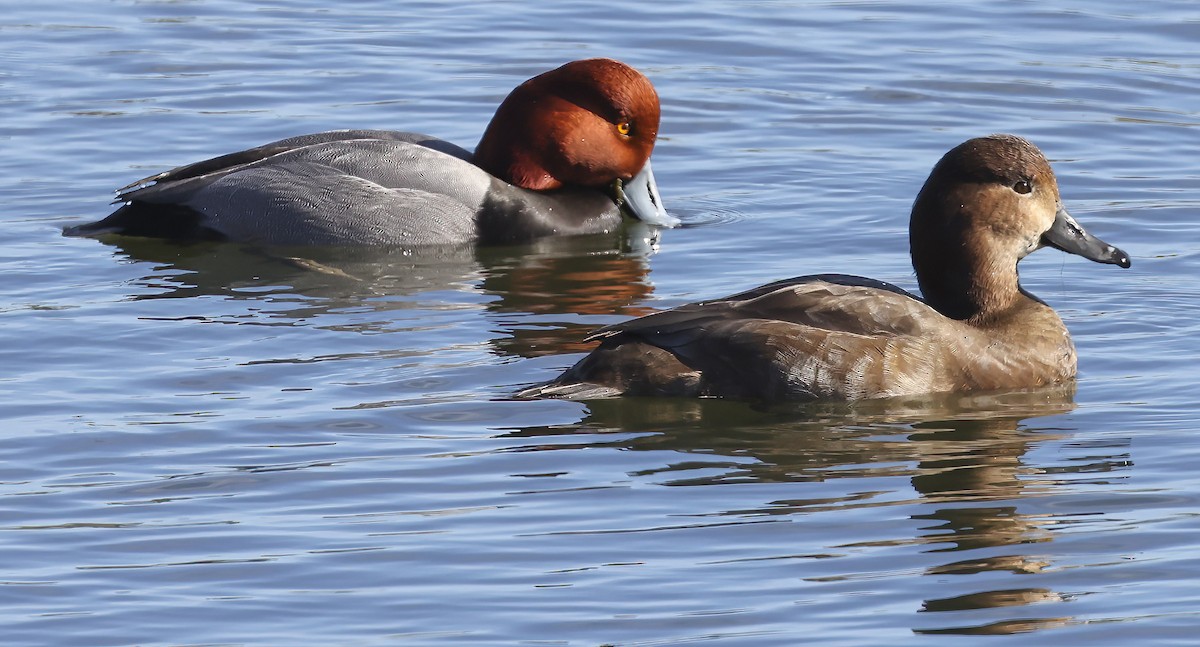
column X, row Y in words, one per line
column 639, row 196
column 1070, row 237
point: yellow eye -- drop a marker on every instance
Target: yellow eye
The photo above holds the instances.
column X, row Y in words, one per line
column 624, row 128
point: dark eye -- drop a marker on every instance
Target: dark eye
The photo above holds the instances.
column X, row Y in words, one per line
column 1022, row 187
column 624, row 128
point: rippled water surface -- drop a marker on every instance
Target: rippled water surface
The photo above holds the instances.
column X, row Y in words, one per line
column 217, row 444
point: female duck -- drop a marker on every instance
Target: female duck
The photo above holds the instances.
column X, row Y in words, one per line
column 564, row 153
column 987, row 204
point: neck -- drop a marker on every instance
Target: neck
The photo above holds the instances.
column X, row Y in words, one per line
column 977, row 288
column 505, row 148
column 496, row 155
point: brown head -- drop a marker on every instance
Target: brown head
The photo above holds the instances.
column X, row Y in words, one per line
column 987, row 204
column 587, row 123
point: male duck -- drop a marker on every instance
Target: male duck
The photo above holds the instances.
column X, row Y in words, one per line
column 565, row 151
column 987, row 204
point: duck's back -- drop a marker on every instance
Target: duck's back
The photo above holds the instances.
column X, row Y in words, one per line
column 340, row 187
column 816, row 337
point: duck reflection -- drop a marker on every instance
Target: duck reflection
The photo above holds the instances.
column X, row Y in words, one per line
column 967, row 457
column 532, row 290
column 958, row 443
column 525, row 287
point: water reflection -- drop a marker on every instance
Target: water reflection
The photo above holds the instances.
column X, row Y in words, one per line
column 966, row 457
column 962, row 446
column 521, row 290
column 532, row 290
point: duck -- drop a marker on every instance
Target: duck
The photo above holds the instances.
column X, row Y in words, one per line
column 987, row 203
column 567, row 152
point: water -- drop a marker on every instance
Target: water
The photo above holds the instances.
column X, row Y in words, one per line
column 210, row 444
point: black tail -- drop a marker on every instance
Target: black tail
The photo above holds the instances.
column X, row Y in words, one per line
column 150, row 220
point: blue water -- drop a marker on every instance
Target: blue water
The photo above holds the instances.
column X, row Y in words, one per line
column 211, row 444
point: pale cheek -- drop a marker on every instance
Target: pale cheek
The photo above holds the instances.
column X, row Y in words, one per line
column 1032, row 245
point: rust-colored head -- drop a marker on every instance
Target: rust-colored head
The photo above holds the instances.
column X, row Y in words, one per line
column 587, row 123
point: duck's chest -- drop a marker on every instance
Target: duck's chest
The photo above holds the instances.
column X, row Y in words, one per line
column 1026, row 352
